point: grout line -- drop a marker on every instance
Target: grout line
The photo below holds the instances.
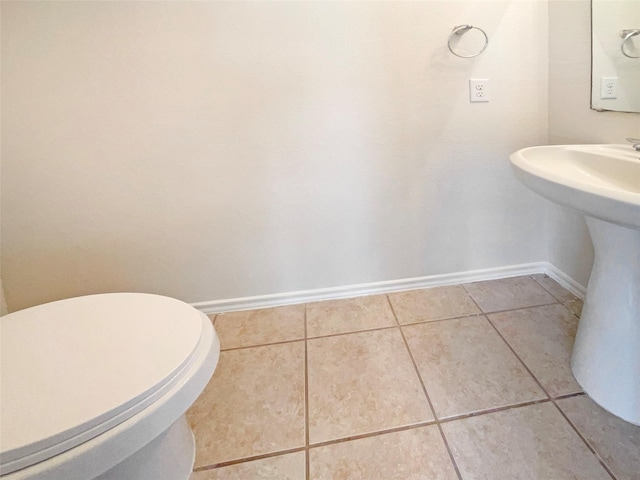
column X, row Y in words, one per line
column 388, row 327
column 549, row 291
column 398, row 324
column 437, row 422
column 550, row 397
column 248, row 459
column 436, row 320
column 553, row 400
column 262, row 345
column 564, row 304
column 377, row 433
column 560, row 301
column 568, row 395
column 374, row 329
column 506, row 310
column 517, row 308
column 426, row 394
column 489, row 411
column 544, row 390
column 480, row 313
column 575, row 314
column 307, row 466
column 584, row 439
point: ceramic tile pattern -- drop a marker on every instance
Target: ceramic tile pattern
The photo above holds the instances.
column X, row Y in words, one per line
column 410, row 454
column 543, row 338
column 253, row 405
column 528, row 442
column 259, row 327
column 350, row 315
column 463, row 382
column 432, row 304
column 283, row 467
column 467, row 367
column 616, row 441
column 353, row 391
column 554, row 288
column 508, row 293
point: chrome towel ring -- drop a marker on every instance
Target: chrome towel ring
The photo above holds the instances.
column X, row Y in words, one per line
column 462, row 29
column 627, row 35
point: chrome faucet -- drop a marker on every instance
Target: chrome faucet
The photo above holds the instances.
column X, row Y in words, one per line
column 635, row 142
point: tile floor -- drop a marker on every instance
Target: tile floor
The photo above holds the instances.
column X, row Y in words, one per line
column 463, row 382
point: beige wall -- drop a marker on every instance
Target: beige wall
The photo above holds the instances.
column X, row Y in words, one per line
column 570, row 118
column 3, row 303
column 571, row 121
column 212, row 150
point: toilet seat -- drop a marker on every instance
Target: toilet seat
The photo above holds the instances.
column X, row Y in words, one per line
column 88, row 371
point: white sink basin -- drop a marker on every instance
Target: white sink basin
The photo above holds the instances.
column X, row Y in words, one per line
column 603, row 182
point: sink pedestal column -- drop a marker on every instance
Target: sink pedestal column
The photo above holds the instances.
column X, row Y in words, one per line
column 606, row 354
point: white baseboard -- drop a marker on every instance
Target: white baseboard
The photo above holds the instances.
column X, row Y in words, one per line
column 566, row 281
column 349, row 291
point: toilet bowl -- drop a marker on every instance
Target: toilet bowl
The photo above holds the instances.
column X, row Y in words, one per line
column 96, row 387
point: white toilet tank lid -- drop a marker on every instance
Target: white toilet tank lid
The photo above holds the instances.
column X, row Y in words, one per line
column 71, row 366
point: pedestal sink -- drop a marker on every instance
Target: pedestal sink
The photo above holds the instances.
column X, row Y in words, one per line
column 603, row 182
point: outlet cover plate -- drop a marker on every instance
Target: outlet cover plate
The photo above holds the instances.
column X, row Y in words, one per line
column 478, row 90
column 608, row 87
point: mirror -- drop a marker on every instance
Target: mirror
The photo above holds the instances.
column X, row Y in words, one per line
column 615, row 55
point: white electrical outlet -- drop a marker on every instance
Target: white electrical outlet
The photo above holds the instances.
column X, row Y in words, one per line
column 609, row 87
column 478, row 89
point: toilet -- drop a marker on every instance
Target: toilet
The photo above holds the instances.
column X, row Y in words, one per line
column 97, row 387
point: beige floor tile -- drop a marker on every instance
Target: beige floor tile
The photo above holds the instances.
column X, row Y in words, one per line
column 253, row 405
column 360, row 383
column 467, row 367
column 259, row 327
column 508, row 293
column 348, row 315
column 282, row 467
column 527, row 443
column 543, row 338
column 575, row 306
column 616, row 441
column 432, row 304
column 418, row 453
column 553, row 287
